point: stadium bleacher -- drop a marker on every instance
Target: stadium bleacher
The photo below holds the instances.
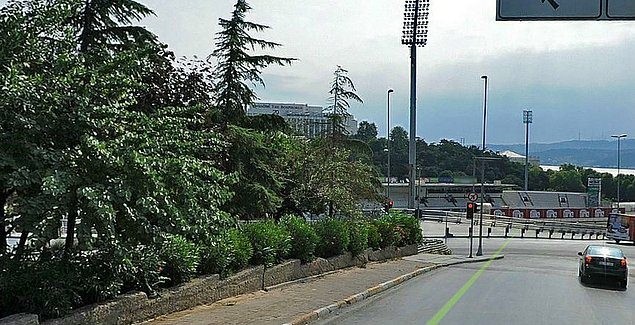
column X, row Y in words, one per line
column 544, row 199
column 513, row 199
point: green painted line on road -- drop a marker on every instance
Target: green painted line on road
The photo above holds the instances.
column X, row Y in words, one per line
column 457, row 296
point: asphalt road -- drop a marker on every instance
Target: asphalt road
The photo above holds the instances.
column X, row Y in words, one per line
column 536, row 283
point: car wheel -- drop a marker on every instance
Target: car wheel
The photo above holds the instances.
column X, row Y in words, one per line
column 617, row 241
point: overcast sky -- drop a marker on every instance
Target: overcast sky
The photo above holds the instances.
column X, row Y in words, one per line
column 577, row 77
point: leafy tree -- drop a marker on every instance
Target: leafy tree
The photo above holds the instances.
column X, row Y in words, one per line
column 30, row 124
column 399, row 152
column 567, row 179
column 236, row 67
column 342, row 90
column 366, row 132
column 538, row 179
column 100, row 29
column 333, row 180
column 258, row 159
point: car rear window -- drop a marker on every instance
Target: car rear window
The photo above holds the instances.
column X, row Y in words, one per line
column 605, row 251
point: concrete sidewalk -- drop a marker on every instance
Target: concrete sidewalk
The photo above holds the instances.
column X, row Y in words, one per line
column 300, row 301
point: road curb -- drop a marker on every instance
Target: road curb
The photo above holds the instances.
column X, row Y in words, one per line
column 324, row 311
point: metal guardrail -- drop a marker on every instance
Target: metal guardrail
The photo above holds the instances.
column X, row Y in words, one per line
column 586, row 226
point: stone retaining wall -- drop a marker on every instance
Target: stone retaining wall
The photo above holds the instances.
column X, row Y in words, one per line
column 136, row 307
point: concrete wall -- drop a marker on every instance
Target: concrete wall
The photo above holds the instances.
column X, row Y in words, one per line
column 136, row 307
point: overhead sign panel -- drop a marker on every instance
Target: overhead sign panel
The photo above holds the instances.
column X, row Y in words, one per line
column 549, row 9
column 621, row 9
column 565, row 10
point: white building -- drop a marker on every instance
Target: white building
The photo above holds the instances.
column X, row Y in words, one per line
column 518, row 158
column 310, row 121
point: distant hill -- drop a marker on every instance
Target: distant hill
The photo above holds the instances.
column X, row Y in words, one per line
column 581, row 153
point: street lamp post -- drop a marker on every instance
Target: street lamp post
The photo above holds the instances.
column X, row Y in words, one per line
column 388, row 138
column 618, row 137
column 527, row 119
column 479, row 251
column 415, row 33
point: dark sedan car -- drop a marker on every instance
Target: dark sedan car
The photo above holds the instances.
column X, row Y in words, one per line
column 603, row 262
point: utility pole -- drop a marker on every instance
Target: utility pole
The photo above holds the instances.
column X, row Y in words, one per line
column 618, row 137
column 479, row 251
column 388, row 143
column 415, row 34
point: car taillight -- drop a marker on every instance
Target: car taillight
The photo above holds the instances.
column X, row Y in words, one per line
column 587, row 259
column 623, row 262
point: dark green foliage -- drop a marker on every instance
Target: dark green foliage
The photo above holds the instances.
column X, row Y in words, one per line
column 270, row 241
column 138, row 267
column 181, row 259
column 303, row 238
column 226, row 253
column 358, row 231
column 40, row 287
column 215, row 256
column 51, row 285
column 406, row 228
column 242, row 251
column 334, row 237
column 99, row 122
column 374, row 238
column 387, row 233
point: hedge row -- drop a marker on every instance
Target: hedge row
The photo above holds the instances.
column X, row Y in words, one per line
column 51, row 285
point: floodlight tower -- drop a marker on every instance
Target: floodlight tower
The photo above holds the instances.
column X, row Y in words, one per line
column 618, row 137
column 415, row 33
column 528, row 118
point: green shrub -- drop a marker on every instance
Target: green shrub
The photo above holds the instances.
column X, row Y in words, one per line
column 42, row 287
column 407, row 227
column 241, row 249
column 97, row 282
column 51, row 286
column 333, row 237
column 303, row 238
column 374, row 238
column 139, row 268
column 181, row 259
column 358, row 231
column 387, row 233
column 271, row 242
column 215, row 256
column 225, row 253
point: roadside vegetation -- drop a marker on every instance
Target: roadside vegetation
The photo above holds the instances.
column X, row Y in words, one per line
column 150, row 163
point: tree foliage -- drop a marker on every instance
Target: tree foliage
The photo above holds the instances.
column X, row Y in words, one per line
column 342, row 91
column 148, row 161
column 236, row 67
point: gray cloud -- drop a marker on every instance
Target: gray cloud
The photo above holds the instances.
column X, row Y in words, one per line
column 576, row 76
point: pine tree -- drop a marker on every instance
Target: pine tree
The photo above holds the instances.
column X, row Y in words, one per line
column 102, row 24
column 236, row 67
column 342, row 90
